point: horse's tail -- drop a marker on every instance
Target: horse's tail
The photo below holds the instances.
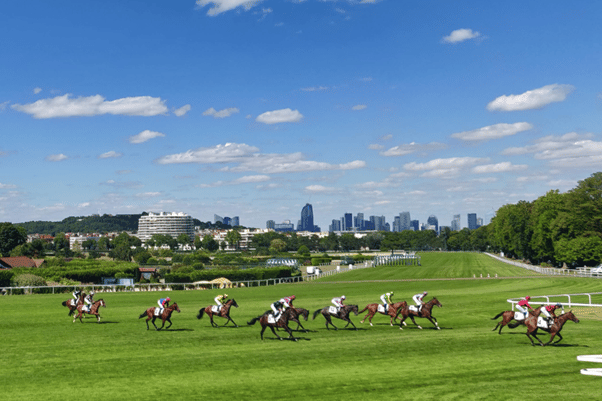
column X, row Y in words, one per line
column 514, row 325
column 316, row 313
column 142, row 315
column 363, row 309
column 200, row 315
column 252, row 321
column 498, row 315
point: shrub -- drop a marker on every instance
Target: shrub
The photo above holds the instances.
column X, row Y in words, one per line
column 28, row 280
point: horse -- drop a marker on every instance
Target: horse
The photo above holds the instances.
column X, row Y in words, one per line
column 223, row 312
column 373, row 308
column 425, row 313
column 72, row 304
column 93, row 310
column 294, row 317
column 281, row 323
column 342, row 314
column 165, row 316
column 508, row 316
column 554, row 329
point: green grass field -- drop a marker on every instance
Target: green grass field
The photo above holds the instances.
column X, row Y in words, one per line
column 47, row 357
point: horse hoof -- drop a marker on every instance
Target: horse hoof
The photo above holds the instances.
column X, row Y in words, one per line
column 400, row 328
column 438, row 328
column 371, row 324
column 420, row 327
column 404, row 323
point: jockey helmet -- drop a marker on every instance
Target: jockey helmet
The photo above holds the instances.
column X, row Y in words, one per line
column 425, row 293
column 292, row 297
column 559, row 304
column 343, row 297
column 91, row 293
column 527, row 298
column 168, row 299
column 391, row 293
column 225, row 295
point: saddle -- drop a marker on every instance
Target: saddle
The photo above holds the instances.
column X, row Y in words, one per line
column 333, row 310
column 414, row 308
column 383, row 309
column 542, row 323
column 519, row 316
column 273, row 319
column 215, row 309
column 158, row 311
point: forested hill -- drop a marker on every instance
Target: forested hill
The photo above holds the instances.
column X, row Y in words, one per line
column 92, row 224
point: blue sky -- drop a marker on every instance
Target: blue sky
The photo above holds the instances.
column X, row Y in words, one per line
column 255, row 108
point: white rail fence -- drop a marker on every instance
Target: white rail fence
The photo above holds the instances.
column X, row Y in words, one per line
column 567, row 300
column 578, row 272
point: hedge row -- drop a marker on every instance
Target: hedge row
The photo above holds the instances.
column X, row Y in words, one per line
column 232, row 275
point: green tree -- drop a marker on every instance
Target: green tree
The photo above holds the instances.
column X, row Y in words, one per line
column 209, row 244
column 233, row 238
column 10, row 237
column 183, row 239
column 277, row 245
column 61, row 245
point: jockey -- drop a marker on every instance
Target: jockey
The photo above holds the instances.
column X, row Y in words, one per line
column 418, row 300
column 521, row 306
column 163, row 303
column 338, row 302
column 288, row 301
column 548, row 312
column 89, row 300
column 220, row 300
column 277, row 308
column 386, row 300
column 76, row 294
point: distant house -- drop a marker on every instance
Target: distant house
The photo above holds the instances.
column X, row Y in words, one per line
column 19, row 261
column 147, row 272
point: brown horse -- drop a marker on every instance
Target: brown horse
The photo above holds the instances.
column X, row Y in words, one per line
column 72, row 304
column 508, row 316
column 294, row 317
column 343, row 314
column 281, row 323
column 93, row 310
column 391, row 311
column 223, row 312
column 554, row 330
column 165, row 316
column 425, row 313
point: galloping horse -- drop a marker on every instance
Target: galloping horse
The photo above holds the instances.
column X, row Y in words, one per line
column 72, row 304
column 425, row 313
column 223, row 312
column 165, row 316
column 281, row 323
column 294, row 317
column 391, row 311
column 508, row 316
column 343, row 314
column 531, row 323
column 93, row 310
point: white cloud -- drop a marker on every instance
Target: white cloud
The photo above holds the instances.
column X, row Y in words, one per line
column 220, row 6
column 315, row 89
column 7, row 186
column 145, row 136
column 492, row 132
column 532, row 99
column 148, row 194
column 443, row 167
column 110, row 154
column 37, row 90
column 460, row 35
column 56, row 158
column 502, row 167
column 221, row 113
column 280, row 116
column 406, row 149
column 3, row 105
column 359, row 107
column 573, row 149
column 249, row 179
column 182, row 110
column 321, row 189
column 247, row 158
column 65, row 106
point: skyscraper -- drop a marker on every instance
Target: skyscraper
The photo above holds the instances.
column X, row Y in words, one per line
column 405, row 222
column 347, row 222
column 472, row 221
column 307, row 219
column 433, row 221
column 455, row 224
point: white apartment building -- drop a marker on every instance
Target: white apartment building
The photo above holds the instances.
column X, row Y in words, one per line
column 172, row 224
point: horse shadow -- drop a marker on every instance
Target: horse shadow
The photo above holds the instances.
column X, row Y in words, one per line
column 288, row 339
column 175, row 330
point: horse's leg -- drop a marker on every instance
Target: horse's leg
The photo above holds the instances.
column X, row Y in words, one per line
column 153, row 322
column 147, row 319
column 534, row 334
column 169, row 320
column 349, row 322
column 276, row 334
column 290, row 333
column 433, row 320
column 329, row 321
column 212, row 322
column 414, row 321
column 262, row 330
column 230, row 320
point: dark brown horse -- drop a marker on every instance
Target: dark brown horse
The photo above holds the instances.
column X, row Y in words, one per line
column 165, row 316
column 508, row 316
column 223, row 312
column 281, row 323
column 342, row 314
column 72, row 304
column 93, row 310
column 373, row 308
column 426, row 313
column 294, row 317
column 554, row 329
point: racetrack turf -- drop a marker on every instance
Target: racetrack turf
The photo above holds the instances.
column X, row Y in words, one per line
column 47, row 357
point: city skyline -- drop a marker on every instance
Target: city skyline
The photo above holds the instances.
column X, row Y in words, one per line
column 257, row 108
